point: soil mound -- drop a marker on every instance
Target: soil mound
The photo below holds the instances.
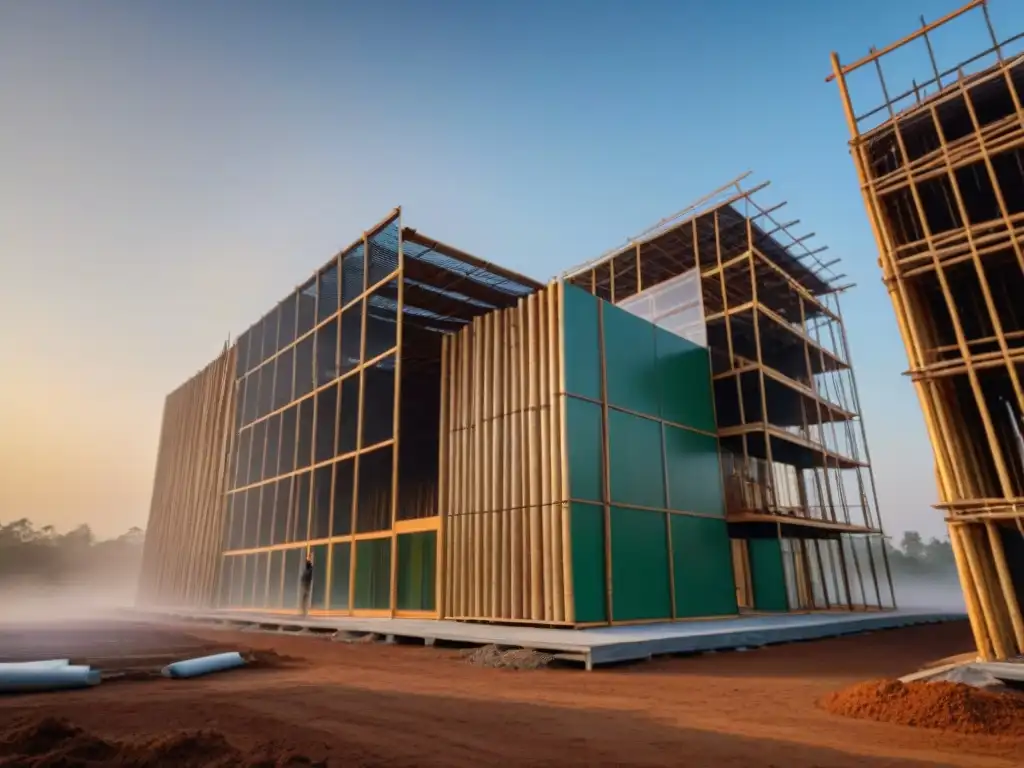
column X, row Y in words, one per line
column 55, row 743
column 515, row 658
column 942, row 705
column 267, row 660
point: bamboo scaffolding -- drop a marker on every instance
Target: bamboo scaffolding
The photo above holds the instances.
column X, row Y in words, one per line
column 181, row 554
column 507, row 559
column 765, row 290
column 973, row 261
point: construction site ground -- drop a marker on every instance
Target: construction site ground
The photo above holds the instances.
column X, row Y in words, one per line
column 317, row 701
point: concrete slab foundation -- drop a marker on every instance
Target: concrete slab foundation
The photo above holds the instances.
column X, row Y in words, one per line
column 602, row 645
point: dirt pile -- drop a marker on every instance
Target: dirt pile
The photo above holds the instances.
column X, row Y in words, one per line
column 53, row 743
column 515, row 658
column 943, row 705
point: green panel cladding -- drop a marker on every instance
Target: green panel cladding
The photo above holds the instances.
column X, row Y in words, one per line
column 640, row 569
column 585, row 457
column 588, row 574
column 663, row 469
column 417, row 571
column 634, row 454
column 702, row 562
column 373, row 574
column 341, row 561
column 684, row 380
column 582, row 343
column 631, row 362
column 767, row 574
column 694, row 471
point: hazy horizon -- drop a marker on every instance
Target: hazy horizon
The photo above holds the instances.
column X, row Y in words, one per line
column 172, row 169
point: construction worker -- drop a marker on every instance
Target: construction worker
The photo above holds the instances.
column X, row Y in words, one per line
column 307, row 586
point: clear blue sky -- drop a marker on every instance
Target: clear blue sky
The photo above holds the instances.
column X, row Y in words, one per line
column 167, row 169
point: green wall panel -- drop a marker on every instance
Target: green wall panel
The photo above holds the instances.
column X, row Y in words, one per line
column 582, row 343
column 373, row 574
column 634, row 454
column 588, row 574
column 417, row 571
column 318, row 594
column 341, row 560
column 583, row 444
column 767, row 574
column 702, row 561
column 684, row 380
column 694, row 472
column 630, row 361
column 640, row 571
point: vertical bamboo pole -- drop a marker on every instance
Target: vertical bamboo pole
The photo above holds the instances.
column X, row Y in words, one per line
column 984, row 594
column 396, row 415
column 516, row 470
column 606, row 469
column 444, row 464
column 1006, row 582
column 568, row 594
column 555, row 511
column 544, row 439
column 534, row 462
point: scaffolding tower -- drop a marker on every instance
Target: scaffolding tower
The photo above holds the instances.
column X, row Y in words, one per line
column 941, row 170
column 794, row 452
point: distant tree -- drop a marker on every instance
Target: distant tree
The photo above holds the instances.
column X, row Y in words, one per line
column 914, row 556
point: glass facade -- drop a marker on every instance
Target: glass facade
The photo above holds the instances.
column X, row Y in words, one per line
column 314, row 471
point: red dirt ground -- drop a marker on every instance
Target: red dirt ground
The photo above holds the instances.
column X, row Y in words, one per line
column 362, row 704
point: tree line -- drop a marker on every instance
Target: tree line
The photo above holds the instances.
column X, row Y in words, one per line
column 915, row 556
column 42, row 556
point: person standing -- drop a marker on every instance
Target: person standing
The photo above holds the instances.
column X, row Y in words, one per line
column 307, row 586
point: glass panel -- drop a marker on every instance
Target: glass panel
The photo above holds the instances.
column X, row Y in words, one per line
column 252, row 517
column 266, row 529
column 293, row 564
column 382, row 257
column 259, row 442
column 318, row 594
column 237, row 576
column 373, row 510
column 274, row 582
column 327, row 352
column 249, row 579
column 237, row 520
column 266, row 388
column 242, row 458
column 348, row 422
column 307, row 307
column 288, row 429
column 344, row 474
column 373, row 573
column 378, row 402
column 320, row 521
column 249, row 398
column 304, row 446
column 270, row 332
column 352, row 270
column 341, row 557
column 382, row 320
column 327, row 300
column 326, row 422
column 284, row 373
column 417, row 565
column 304, row 367
column 256, row 345
column 282, row 505
column 351, row 337
column 259, row 597
column 270, row 457
column 300, row 508
column 286, row 328
column 243, row 343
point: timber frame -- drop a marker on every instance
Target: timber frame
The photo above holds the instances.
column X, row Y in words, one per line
column 941, row 171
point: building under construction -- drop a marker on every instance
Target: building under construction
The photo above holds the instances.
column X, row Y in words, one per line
column 669, row 432
column 941, row 168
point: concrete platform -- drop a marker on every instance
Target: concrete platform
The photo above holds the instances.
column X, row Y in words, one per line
column 602, row 645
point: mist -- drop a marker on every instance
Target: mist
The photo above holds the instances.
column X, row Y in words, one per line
column 936, row 592
column 49, row 577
